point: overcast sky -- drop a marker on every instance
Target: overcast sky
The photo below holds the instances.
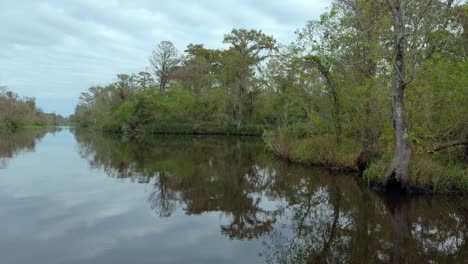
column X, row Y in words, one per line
column 54, row 50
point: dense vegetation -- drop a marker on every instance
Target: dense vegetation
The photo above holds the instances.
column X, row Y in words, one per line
column 379, row 86
column 16, row 112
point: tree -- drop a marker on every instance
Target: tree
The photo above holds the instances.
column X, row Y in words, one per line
column 12, row 97
column 415, row 23
column 164, row 59
column 363, row 22
column 319, row 45
column 399, row 167
column 144, row 80
column 249, row 48
column 197, row 71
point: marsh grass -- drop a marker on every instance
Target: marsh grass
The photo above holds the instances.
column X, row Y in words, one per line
column 34, row 126
column 318, row 150
column 426, row 172
column 439, row 173
column 187, row 128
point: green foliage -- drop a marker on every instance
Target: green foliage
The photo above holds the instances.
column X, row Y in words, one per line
column 246, row 130
column 169, row 128
column 297, row 130
column 17, row 112
column 9, row 125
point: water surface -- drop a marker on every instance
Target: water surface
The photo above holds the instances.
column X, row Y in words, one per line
column 70, row 196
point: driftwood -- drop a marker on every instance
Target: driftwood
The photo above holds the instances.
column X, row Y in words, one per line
column 449, row 145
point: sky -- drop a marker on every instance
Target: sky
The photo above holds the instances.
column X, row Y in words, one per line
column 54, row 50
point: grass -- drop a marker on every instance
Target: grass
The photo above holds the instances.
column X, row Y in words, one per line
column 169, row 128
column 319, row 150
column 14, row 125
column 35, row 126
column 426, row 172
column 186, row 128
column 443, row 172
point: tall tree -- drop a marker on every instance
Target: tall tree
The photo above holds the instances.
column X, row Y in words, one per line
column 198, row 69
column 363, row 22
column 250, row 47
column 164, row 59
column 399, row 167
column 415, row 23
column 319, row 47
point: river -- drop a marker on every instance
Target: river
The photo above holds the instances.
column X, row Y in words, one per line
column 73, row 196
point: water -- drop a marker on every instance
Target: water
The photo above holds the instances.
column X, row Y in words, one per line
column 71, row 196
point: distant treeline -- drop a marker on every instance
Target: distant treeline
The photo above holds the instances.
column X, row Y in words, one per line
column 371, row 84
column 17, row 112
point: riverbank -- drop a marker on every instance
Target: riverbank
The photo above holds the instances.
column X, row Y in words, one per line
column 9, row 125
column 186, row 129
column 13, row 126
column 319, row 151
column 443, row 173
column 428, row 173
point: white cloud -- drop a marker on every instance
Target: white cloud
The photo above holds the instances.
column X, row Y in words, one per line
column 53, row 50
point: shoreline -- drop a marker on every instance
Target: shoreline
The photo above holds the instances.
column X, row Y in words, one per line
column 412, row 189
column 431, row 184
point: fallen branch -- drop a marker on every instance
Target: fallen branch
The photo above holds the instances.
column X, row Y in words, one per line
column 449, row 145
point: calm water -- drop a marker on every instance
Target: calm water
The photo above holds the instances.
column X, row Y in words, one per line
column 78, row 197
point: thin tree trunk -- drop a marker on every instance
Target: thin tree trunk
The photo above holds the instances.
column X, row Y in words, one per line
column 9, row 109
column 240, row 107
column 336, row 110
column 334, row 93
column 398, row 171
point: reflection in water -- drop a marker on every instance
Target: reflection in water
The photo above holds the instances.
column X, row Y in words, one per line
column 300, row 215
column 11, row 144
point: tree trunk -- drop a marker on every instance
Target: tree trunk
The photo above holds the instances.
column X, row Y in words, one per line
column 240, row 105
column 9, row 109
column 325, row 72
column 336, row 112
column 398, row 172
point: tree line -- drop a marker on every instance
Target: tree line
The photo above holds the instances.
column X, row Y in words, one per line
column 384, row 81
column 16, row 112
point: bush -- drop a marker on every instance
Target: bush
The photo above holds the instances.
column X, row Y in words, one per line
column 298, row 130
column 169, row 128
column 246, row 130
column 113, row 128
column 10, row 125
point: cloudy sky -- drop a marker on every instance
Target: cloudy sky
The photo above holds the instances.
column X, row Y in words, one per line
column 54, row 50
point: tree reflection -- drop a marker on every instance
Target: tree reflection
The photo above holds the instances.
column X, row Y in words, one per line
column 11, row 144
column 163, row 198
column 300, row 215
column 397, row 208
column 202, row 175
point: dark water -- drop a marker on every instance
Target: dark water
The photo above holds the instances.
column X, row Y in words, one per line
column 78, row 197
